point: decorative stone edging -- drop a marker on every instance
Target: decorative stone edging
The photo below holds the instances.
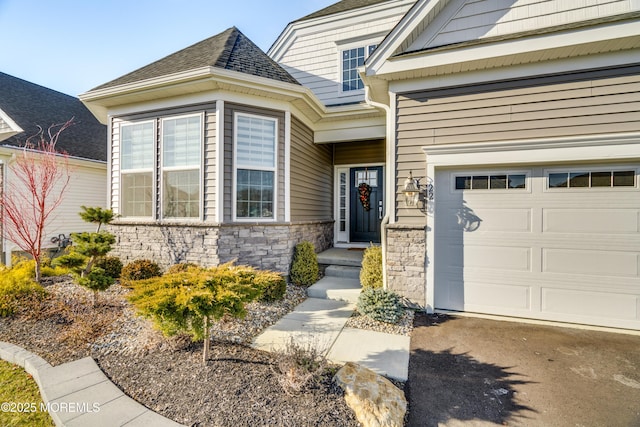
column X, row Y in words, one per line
column 78, row 393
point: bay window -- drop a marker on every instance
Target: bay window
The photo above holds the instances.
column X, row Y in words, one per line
column 255, row 167
column 181, row 160
column 136, row 169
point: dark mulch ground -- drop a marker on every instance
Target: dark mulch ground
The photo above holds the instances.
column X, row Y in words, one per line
column 237, row 387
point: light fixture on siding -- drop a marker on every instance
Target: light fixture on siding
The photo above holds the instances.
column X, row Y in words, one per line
column 411, row 190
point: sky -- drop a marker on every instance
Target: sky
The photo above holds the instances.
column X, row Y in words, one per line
column 73, row 46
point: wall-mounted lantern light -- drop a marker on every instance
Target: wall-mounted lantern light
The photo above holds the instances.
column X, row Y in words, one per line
column 411, row 190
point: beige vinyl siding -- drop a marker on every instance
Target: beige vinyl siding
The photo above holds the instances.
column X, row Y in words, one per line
column 311, row 176
column 209, row 173
column 353, row 153
column 588, row 103
column 229, row 110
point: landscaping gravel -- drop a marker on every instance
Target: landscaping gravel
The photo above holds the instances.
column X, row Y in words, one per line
column 237, row 386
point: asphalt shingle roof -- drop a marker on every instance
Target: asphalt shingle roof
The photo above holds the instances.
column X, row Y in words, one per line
column 341, row 6
column 30, row 105
column 229, row 50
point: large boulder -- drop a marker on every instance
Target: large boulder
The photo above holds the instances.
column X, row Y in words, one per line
column 374, row 399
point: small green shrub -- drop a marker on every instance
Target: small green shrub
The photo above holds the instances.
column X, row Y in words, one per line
column 180, row 268
column 380, row 304
column 272, row 286
column 304, row 266
column 18, row 284
column 371, row 272
column 111, row 265
column 96, row 280
column 140, row 269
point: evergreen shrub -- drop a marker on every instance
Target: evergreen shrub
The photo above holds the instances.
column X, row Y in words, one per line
column 272, row 285
column 304, row 266
column 111, row 265
column 371, row 272
column 140, row 269
column 380, row 304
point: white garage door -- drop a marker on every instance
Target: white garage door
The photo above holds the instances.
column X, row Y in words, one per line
column 560, row 243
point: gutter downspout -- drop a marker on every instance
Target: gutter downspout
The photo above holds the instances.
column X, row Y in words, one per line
column 385, row 220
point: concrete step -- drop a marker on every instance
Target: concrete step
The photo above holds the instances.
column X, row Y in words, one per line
column 338, row 256
column 336, row 288
column 345, row 271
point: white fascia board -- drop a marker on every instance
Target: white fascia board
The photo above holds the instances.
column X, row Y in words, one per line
column 15, row 129
column 607, row 60
column 330, row 22
column 399, row 34
column 548, row 150
column 350, row 134
column 482, row 52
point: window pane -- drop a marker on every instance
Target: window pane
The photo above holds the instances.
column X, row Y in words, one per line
column 136, row 146
column 558, row 180
column 255, row 198
column 181, row 141
column 517, row 181
column 463, row 182
column 181, row 195
column 623, row 179
column 256, row 142
column 480, row 182
column 137, row 194
column 498, row 181
column 601, row 179
column 579, row 179
column 351, row 60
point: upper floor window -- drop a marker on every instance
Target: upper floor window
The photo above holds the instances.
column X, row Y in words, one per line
column 255, row 166
column 351, row 60
column 136, row 168
column 181, row 159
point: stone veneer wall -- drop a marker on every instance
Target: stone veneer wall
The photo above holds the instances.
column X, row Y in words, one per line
column 264, row 246
column 406, row 261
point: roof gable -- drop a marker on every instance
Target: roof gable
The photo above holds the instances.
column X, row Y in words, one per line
column 25, row 106
column 229, row 50
column 443, row 37
column 339, row 7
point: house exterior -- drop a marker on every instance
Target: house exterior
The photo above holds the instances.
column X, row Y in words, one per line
column 23, row 107
column 518, row 120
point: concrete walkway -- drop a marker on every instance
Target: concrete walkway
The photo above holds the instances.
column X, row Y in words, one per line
column 79, row 394
column 320, row 321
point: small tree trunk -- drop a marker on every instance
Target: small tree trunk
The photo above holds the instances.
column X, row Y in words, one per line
column 37, row 272
column 207, row 342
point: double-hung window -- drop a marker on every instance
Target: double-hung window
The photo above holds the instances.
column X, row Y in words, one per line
column 255, row 166
column 351, row 60
column 136, row 169
column 181, row 164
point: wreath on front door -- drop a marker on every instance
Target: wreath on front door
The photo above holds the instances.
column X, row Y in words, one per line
column 364, row 191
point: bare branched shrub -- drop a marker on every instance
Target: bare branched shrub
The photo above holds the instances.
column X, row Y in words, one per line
column 299, row 366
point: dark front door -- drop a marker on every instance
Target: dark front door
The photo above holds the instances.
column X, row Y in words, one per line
column 366, row 209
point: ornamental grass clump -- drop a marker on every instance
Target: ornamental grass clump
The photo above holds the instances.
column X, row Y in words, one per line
column 188, row 301
column 380, row 304
column 371, row 272
column 304, row 266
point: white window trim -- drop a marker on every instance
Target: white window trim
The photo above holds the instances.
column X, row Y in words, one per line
column 152, row 169
column 354, row 45
column 488, row 173
column 161, row 168
column 591, row 168
column 274, row 169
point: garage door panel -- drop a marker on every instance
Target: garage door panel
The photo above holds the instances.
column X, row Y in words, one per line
column 589, row 304
column 600, row 221
column 487, row 296
column 591, row 262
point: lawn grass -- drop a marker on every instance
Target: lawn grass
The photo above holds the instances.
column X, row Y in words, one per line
column 20, row 399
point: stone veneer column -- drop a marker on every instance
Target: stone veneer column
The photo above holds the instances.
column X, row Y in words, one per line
column 406, row 261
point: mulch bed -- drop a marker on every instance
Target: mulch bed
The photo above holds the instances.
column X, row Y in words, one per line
column 237, row 386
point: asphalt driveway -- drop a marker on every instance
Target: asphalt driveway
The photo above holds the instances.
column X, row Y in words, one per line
column 469, row 371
